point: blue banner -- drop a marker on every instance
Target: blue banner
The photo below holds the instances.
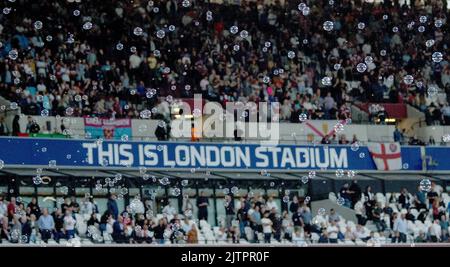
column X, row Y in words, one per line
column 166, row 155
column 437, row 158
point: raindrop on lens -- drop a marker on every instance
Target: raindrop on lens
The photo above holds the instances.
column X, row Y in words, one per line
column 408, row 79
column 326, row 81
column 432, row 91
column 138, row 31
column 234, row 29
column 291, row 54
column 328, row 25
column 38, row 25
column 321, row 211
column 305, row 179
column 13, row 54
column 423, row 19
column 302, row 117
column 339, row 173
column 160, row 34
column 368, row 60
column 425, row 185
column 244, row 34
column 186, row 3
column 361, row 67
column 437, row 57
column 87, row 25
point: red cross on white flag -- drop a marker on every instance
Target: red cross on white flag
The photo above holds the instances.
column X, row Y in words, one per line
column 387, row 156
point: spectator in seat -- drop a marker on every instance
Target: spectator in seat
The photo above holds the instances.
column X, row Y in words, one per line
column 333, row 231
column 161, row 133
column 118, row 234
column 343, row 140
column 159, row 230
column 333, row 217
column 324, row 237
column 400, row 228
column 376, row 218
column 46, row 225
column 355, row 192
column 434, row 231
column 346, row 195
column 431, row 141
column 192, row 235
column 421, row 238
column 446, row 114
column 58, row 218
column 34, row 207
column 325, row 140
column 69, row 225
column 354, row 139
column 444, row 227
column 404, row 199
column 293, row 207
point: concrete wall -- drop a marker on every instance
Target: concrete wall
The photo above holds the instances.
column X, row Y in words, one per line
column 288, row 132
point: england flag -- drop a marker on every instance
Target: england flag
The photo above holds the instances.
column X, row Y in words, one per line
column 386, row 156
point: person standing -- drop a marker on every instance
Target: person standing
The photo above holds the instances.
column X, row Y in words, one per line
column 112, row 206
column 229, row 210
column 267, row 227
column 16, row 126
column 202, row 205
column 69, row 225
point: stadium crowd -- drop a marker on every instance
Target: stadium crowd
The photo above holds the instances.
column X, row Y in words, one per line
column 120, row 58
column 254, row 218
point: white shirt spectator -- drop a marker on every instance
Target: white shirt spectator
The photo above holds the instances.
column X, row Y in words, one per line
column 401, row 225
column 435, row 230
column 271, row 204
column 135, row 61
column 87, row 208
column 267, row 225
column 3, row 210
column 169, row 210
column 69, row 222
column 359, row 208
column 332, row 231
